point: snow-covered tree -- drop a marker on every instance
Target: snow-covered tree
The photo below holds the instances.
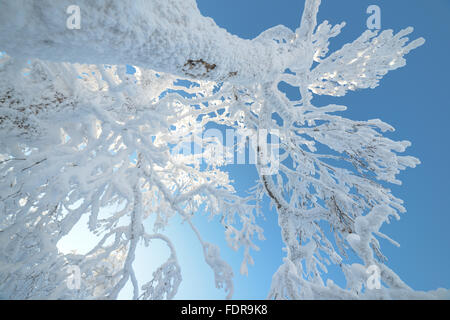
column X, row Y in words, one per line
column 80, row 134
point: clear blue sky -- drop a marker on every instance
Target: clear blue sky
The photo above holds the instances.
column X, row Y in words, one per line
column 413, row 99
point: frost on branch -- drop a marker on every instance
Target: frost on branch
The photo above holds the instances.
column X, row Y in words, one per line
column 94, row 140
column 362, row 63
column 223, row 273
column 81, row 137
column 166, row 279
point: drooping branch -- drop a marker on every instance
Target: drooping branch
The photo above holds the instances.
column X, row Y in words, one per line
column 76, row 130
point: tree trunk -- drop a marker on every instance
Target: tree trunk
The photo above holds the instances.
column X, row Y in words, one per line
column 168, row 36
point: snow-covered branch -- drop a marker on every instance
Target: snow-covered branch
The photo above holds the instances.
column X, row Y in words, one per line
column 168, row 36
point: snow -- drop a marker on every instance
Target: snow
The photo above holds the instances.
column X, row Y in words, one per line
column 164, row 36
column 80, row 134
